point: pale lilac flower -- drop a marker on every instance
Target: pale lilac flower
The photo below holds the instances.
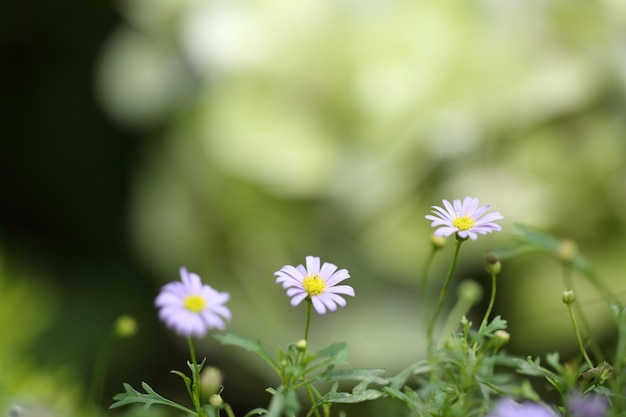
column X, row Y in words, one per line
column 506, row 407
column 191, row 308
column 590, row 405
column 464, row 219
column 318, row 284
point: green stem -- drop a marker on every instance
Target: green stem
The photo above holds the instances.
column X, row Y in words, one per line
column 311, row 391
column 195, row 384
column 567, row 279
column 442, row 295
column 580, row 341
column 192, row 351
column 491, row 302
column 460, row 309
column 98, row 375
column 229, row 411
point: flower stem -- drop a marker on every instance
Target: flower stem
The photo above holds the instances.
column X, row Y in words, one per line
column 460, row 309
column 192, row 351
column 491, row 302
column 442, row 295
column 580, row 341
column 195, row 384
column 98, row 375
column 567, row 280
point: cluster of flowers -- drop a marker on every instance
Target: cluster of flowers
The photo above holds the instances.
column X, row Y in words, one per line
column 192, row 308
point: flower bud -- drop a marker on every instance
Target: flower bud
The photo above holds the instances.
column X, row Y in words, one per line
column 301, row 345
column 211, row 380
column 492, row 263
column 470, row 291
column 567, row 250
column 216, row 400
column 569, row 297
column 125, row 326
column 438, row 242
column 502, row 337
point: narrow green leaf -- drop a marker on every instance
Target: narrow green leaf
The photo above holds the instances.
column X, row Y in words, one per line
column 327, row 357
column 185, row 378
column 231, row 339
column 277, row 404
column 334, row 349
column 132, row 396
column 367, row 375
column 348, row 398
column 256, row 412
column 417, row 368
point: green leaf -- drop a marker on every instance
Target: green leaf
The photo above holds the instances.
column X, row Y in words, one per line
column 496, row 324
column 333, row 350
column 185, row 378
column 553, row 360
column 256, row 412
column 277, row 404
column 334, row 354
column 412, row 402
column 359, row 394
column 350, row 398
column 226, row 338
column 534, row 368
column 417, row 368
column 533, row 240
column 366, row 375
column 132, row 396
column 283, row 403
column 619, row 314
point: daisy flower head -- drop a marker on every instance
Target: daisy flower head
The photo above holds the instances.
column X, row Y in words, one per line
column 192, row 308
column 317, row 284
column 463, row 218
column 506, row 407
column 589, row 405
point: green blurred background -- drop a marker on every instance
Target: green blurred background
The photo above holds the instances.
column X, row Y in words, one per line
column 235, row 137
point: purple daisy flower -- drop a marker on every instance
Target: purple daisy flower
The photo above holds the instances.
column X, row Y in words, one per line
column 590, row 405
column 318, row 284
column 506, row 407
column 464, row 219
column 191, row 308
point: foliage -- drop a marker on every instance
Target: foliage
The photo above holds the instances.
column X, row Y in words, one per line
column 464, row 373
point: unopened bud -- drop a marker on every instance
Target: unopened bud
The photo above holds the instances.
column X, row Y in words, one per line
column 567, row 250
column 470, row 291
column 569, row 297
column 492, row 263
column 438, row 242
column 502, row 336
column 301, row 345
column 125, row 326
column 216, row 400
column 211, row 379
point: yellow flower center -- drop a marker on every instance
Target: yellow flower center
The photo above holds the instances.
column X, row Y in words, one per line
column 194, row 303
column 313, row 285
column 463, row 223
